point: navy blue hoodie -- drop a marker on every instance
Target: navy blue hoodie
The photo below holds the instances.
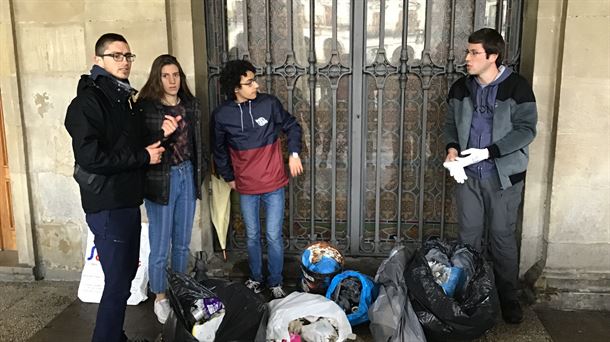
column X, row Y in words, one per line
column 246, row 146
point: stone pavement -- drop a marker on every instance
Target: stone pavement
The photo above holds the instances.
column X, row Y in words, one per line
column 49, row 311
column 43, row 311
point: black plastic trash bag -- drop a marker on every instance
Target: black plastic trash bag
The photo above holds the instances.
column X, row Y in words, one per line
column 175, row 331
column 243, row 310
column 473, row 309
column 391, row 314
column 183, row 292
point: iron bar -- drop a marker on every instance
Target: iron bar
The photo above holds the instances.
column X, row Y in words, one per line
column 312, row 111
column 357, row 143
column 403, row 78
column 246, row 54
column 333, row 141
column 268, row 60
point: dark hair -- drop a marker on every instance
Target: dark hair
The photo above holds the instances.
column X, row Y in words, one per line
column 492, row 42
column 105, row 39
column 153, row 89
column 230, row 76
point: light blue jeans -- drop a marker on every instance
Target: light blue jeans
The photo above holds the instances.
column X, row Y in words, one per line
column 170, row 226
column 274, row 218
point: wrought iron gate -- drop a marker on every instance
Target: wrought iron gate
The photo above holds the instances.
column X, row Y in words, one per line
column 369, row 91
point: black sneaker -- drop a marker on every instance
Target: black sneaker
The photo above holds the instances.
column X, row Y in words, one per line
column 253, row 285
column 512, row 312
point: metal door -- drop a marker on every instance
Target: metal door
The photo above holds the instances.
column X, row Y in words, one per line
column 369, row 91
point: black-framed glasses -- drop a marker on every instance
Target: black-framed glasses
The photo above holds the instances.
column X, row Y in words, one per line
column 473, row 52
column 249, row 82
column 118, row 57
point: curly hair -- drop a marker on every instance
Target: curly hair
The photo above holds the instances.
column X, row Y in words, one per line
column 231, row 74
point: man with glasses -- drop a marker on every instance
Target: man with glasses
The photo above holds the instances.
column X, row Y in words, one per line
column 108, row 140
column 248, row 155
column 491, row 120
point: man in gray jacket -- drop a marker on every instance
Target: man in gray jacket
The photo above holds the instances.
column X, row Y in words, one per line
column 491, row 120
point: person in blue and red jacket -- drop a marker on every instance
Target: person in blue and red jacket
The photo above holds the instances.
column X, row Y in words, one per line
column 248, row 155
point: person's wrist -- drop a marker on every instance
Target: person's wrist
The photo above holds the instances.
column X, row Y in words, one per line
column 295, row 155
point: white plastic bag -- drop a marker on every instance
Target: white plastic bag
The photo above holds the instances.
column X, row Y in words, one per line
column 319, row 331
column 206, row 331
column 298, row 305
column 92, row 278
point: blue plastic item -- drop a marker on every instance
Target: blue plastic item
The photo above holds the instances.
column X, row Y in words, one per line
column 368, row 293
column 456, row 277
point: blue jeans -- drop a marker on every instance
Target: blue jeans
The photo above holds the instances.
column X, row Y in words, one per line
column 117, row 240
column 170, row 226
column 274, row 217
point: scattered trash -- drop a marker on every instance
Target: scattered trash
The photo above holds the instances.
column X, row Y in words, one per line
column 206, row 331
column 243, row 310
column 447, row 277
column 353, row 292
column 307, row 309
column 321, row 330
column 320, row 262
column 391, row 314
column 473, row 308
column 195, row 303
column 206, row 307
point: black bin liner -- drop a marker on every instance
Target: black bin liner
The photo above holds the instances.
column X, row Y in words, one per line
column 243, row 308
column 473, row 309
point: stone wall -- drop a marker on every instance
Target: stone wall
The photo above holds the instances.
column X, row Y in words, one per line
column 567, row 203
column 53, row 45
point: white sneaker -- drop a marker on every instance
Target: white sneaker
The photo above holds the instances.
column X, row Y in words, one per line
column 253, row 285
column 162, row 310
column 277, row 292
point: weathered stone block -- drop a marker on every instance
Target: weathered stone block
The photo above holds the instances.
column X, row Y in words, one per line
column 49, row 11
column 45, row 48
column 60, row 246
column 56, row 198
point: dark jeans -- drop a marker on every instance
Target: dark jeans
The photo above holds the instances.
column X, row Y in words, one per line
column 117, row 240
column 483, row 205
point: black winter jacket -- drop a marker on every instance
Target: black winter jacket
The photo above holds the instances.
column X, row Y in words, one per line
column 156, row 181
column 108, row 139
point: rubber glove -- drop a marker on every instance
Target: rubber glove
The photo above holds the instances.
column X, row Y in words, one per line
column 473, row 156
column 456, row 170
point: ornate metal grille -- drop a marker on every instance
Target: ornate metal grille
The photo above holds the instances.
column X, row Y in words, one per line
column 367, row 81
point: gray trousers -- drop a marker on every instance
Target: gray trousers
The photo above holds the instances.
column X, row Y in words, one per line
column 483, row 205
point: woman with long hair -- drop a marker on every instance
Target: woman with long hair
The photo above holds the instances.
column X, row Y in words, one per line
column 173, row 186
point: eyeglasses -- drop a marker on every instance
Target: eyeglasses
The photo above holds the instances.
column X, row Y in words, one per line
column 249, row 82
column 473, row 52
column 118, row 57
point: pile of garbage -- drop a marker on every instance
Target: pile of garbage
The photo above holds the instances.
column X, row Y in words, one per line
column 440, row 291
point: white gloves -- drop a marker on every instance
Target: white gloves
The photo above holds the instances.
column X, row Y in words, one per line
column 456, row 170
column 473, row 156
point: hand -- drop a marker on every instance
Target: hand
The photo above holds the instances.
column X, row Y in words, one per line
column 473, row 156
column 452, row 153
column 232, row 184
column 170, row 124
column 456, row 170
column 295, row 166
column 155, row 151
